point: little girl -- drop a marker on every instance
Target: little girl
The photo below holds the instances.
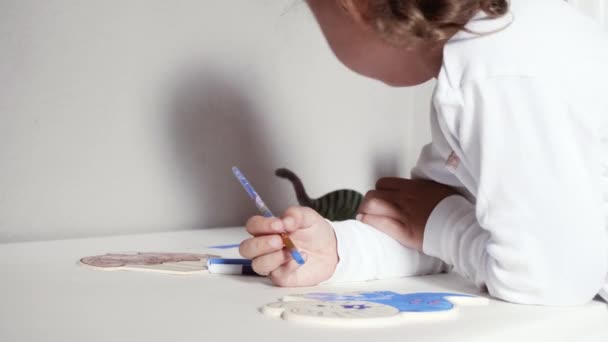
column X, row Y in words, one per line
column 512, row 191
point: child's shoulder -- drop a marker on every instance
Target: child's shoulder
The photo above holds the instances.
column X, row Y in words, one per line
column 534, row 39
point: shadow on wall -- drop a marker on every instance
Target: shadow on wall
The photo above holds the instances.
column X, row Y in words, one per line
column 215, row 125
column 386, row 165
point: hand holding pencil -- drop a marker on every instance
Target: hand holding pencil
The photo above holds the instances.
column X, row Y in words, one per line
column 306, row 229
column 293, row 250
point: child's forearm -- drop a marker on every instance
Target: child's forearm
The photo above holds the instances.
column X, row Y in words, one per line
column 366, row 254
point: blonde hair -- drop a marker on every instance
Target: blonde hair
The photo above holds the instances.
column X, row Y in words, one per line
column 415, row 22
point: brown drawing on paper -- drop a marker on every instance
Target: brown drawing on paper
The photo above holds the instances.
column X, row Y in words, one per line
column 173, row 263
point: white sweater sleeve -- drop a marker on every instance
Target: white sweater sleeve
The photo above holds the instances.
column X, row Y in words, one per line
column 367, row 254
column 431, row 164
column 536, row 234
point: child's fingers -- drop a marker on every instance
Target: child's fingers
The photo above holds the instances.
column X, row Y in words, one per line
column 379, row 207
column 259, row 225
column 299, row 218
column 387, row 195
column 294, row 218
column 256, row 246
column 267, row 263
column 286, row 274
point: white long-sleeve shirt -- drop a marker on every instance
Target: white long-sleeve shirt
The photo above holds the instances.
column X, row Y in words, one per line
column 520, row 126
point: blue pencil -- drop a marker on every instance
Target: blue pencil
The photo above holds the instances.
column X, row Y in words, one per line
column 267, row 213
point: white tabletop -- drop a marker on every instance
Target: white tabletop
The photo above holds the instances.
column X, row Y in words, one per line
column 46, row 296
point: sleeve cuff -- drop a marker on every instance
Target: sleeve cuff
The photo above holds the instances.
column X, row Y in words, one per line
column 443, row 223
column 345, row 242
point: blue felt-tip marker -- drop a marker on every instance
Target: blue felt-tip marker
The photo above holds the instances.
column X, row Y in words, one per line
column 267, row 213
column 230, row 266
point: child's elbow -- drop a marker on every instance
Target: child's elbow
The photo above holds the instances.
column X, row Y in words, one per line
column 551, row 295
column 557, row 287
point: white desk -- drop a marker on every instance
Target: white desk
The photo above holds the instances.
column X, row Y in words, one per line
column 46, row 296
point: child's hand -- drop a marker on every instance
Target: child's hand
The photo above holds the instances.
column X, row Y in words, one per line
column 313, row 236
column 401, row 207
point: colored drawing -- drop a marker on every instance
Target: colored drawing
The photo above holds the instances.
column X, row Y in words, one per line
column 377, row 308
column 174, row 263
column 410, row 302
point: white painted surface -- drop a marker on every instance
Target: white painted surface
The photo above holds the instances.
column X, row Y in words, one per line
column 126, row 116
column 46, row 296
column 597, row 9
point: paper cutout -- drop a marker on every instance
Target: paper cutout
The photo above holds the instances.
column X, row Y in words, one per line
column 378, row 308
column 173, row 263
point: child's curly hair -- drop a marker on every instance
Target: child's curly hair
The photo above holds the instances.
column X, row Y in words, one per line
column 412, row 22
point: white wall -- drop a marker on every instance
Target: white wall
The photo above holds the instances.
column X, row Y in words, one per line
column 125, row 116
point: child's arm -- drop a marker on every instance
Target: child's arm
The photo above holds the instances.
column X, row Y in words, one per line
column 364, row 252
column 367, row 254
column 537, row 232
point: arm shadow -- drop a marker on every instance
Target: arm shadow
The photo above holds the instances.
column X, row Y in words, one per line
column 215, row 124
